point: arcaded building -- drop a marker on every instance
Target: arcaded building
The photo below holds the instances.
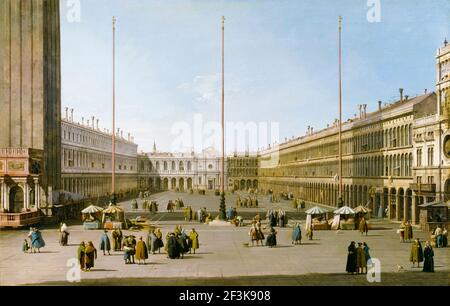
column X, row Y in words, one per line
column 86, row 159
column 160, row 171
column 242, row 171
column 394, row 159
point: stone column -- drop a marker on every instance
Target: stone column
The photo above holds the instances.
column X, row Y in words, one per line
column 389, row 204
column 26, row 196
column 397, row 206
column 413, row 210
column 37, row 197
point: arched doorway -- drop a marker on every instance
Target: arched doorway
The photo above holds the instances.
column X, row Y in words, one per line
column 181, row 184
column 158, row 184
column 173, row 182
column 16, row 200
column 189, row 182
column 166, row 184
column 408, row 205
column 393, row 204
column 242, row 184
column 255, row 184
column 249, row 184
column 447, row 190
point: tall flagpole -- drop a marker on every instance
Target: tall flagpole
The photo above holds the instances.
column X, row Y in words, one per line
column 340, row 113
column 113, row 158
column 222, row 209
column 223, row 106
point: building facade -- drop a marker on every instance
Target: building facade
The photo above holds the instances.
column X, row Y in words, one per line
column 394, row 159
column 242, row 171
column 159, row 171
column 86, row 159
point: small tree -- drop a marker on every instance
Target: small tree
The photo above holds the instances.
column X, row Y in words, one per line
column 222, row 208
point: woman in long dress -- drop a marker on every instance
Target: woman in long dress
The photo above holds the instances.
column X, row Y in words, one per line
column 351, row 258
column 141, row 251
column 297, row 234
column 428, row 254
column 361, row 261
column 416, row 254
column 271, row 238
column 37, row 242
column 91, row 255
column 81, row 254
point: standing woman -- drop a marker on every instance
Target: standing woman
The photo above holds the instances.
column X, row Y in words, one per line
column 363, row 226
column 141, row 251
column 37, row 242
column 91, row 255
column 193, row 241
column 366, row 251
column 428, row 254
column 81, row 254
column 351, row 258
column 297, row 234
column 416, row 254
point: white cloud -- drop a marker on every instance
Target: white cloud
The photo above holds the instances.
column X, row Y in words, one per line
column 206, row 89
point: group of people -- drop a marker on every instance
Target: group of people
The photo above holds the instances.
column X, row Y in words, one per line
column 357, row 258
column 247, row 202
column 86, row 254
column 425, row 255
column 151, row 206
column 178, row 242
column 277, row 218
column 406, row 231
column 35, row 243
column 440, row 236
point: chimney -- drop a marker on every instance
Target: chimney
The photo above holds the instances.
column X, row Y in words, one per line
column 425, row 91
column 406, row 97
column 67, row 112
column 121, row 134
column 118, row 131
column 401, row 94
column 97, row 124
column 88, row 122
column 93, row 122
column 365, row 110
column 82, row 120
column 379, row 105
column 71, row 114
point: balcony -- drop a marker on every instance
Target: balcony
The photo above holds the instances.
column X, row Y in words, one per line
column 427, row 188
column 17, row 220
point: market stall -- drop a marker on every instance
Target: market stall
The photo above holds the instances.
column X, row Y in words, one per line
column 344, row 218
column 318, row 218
column 91, row 217
column 113, row 217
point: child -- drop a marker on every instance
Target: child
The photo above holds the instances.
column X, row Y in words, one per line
column 25, row 246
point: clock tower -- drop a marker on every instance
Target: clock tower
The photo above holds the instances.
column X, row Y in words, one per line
column 443, row 80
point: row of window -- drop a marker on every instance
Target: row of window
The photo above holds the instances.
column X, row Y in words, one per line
column 72, row 158
column 391, row 138
column 430, row 157
column 398, row 165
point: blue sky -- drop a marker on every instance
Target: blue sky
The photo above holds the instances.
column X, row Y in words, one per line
column 281, row 61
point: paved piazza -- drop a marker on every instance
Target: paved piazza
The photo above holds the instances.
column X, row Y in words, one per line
column 223, row 257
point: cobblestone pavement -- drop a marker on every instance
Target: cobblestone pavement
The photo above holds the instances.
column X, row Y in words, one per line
column 223, row 258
